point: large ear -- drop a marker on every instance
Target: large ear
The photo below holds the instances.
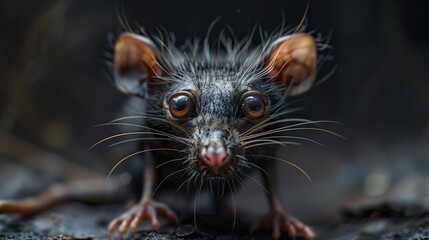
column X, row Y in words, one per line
column 292, row 63
column 134, row 63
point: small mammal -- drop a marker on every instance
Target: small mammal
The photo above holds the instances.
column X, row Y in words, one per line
column 217, row 113
column 217, row 106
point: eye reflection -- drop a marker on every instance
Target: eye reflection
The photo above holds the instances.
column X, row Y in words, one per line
column 181, row 105
column 253, row 107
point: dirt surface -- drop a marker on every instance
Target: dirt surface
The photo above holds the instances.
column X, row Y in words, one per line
column 77, row 221
column 383, row 220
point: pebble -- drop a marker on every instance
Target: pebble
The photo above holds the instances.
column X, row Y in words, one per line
column 185, row 230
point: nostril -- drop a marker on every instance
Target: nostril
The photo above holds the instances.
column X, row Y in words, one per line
column 215, row 156
column 215, row 159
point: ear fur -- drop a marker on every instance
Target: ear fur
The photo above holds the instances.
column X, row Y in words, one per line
column 292, row 63
column 134, row 63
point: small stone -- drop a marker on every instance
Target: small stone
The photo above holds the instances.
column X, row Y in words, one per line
column 186, row 230
column 375, row 227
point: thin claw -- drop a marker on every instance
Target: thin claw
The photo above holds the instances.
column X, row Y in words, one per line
column 135, row 225
column 171, row 216
column 276, row 227
column 136, row 221
column 279, row 222
column 308, row 233
column 164, row 209
column 113, row 225
column 125, row 226
column 131, row 219
column 290, row 229
column 153, row 217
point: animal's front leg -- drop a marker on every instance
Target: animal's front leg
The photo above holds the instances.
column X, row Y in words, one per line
column 146, row 209
column 277, row 220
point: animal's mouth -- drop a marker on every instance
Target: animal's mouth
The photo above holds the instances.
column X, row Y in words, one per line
column 221, row 172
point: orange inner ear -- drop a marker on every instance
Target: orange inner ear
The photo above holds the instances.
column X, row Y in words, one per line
column 133, row 53
column 294, row 60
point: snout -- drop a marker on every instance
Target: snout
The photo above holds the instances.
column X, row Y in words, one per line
column 214, row 155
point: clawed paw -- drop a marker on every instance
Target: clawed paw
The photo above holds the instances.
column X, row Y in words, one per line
column 130, row 220
column 280, row 222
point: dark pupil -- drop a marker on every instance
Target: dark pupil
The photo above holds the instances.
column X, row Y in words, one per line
column 253, row 103
column 180, row 103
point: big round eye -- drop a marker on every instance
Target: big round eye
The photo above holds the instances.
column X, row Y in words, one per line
column 253, row 106
column 181, row 105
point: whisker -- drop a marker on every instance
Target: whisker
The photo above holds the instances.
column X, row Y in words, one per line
column 211, row 188
column 241, row 181
column 136, row 153
column 268, row 119
column 296, row 137
column 154, row 117
column 233, row 204
column 186, row 181
column 289, row 127
column 167, row 177
column 314, row 129
column 301, row 23
column 195, row 204
column 272, row 143
column 260, row 184
column 280, row 121
column 140, row 126
column 262, row 140
column 133, row 133
column 260, row 168
column 223, row 187
column 139, row 139
column 285, row 161
column 170, row 161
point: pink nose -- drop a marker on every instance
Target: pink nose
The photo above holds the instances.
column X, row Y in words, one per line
column 215, row 155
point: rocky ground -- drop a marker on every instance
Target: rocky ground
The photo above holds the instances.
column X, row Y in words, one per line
column 76, row 221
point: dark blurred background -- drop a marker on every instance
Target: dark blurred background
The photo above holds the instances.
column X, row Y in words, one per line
column 55, row 87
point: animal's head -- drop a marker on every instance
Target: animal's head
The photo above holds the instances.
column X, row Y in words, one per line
column 216, row 101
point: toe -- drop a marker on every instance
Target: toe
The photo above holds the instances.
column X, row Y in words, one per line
column 113, row 225
column 276, row 227
column 125, row 226
column 308, row 233
column 290, row 229
column 153, row 217
column 171, row 215
column 163, row 209
column 136, row 221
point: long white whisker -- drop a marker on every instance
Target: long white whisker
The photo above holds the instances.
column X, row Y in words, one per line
column 170, row 161
column 279, row 121
column 267, row 120
column 285, row 161
column 183, row 183
column 284, row 144
column 195, row 204
column 140, row 139
column 134, row 133
column 141, row 126
column 292, row 128
column 296, row 137
column 233, row 204
column 167, row 177
column 154, row 117
column 264, row 140
column 254, row 179
column 136, row 153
